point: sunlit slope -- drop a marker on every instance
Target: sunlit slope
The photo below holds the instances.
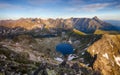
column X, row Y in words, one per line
column 78, row 32
column 105, row 32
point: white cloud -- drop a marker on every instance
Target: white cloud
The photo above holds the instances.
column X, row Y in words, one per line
column 89, row 7
column 9, row 6
column 95, row 7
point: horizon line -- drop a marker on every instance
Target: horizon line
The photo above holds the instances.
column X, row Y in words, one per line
column 45, row 18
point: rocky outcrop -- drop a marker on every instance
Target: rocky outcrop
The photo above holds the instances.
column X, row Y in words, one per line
column 6, row 32
column 107, row 51
column 10, row 32
column 24, row 54
column 68, row 69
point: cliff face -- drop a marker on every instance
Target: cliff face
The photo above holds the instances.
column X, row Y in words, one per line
column 107, row 50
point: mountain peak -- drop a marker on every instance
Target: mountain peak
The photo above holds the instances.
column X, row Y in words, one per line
column 96, row 18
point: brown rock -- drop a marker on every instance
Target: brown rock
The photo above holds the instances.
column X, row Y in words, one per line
column 108, row 54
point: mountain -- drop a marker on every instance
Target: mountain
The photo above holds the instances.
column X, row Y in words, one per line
column 25, row 55
column 107, row 53
column 86, row 25
column 101, row 32
column 78, row 32
column 9, row 32
column 98, row 31
column 30, row 23
column 114, row 22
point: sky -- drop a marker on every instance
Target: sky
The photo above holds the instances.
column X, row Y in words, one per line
column 103, row 9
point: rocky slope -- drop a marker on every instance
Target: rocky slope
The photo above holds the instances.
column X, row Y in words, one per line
column 87, row 25
column 107, row 53
column 23, row 54
column 30, row 23
column 6, row 32
column 27, row 47
column 98, row 31
column 27, row 55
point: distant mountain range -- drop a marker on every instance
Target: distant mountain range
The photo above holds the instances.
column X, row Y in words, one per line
column 114, row 22
column 86, row 25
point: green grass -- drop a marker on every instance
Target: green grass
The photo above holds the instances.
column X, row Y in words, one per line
column 78, row 32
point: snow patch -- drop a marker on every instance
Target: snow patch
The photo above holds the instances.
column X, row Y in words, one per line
column 83, row 53
column 59, row 59
column 70, row 57
column 105, row 55
column 86, row 48
column 74, row 49
column 70, row 41
column 93, row 50
column 87, row 64
column 97, row 52
column 117, row 60
column 88, row 44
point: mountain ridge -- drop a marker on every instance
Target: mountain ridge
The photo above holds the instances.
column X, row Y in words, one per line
column 86, row 25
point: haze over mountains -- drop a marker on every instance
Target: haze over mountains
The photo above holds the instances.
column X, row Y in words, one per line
column 114, row 22
column 86, row 25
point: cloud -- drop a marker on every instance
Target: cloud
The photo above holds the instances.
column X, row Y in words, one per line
column 39, row 2
column 76, row 2
column 95, row 7
column 118, row 6
column 22, row 8
column 89, row 7
column 9, row 6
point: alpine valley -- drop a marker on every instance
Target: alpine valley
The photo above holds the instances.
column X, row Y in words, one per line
column 27, row 46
